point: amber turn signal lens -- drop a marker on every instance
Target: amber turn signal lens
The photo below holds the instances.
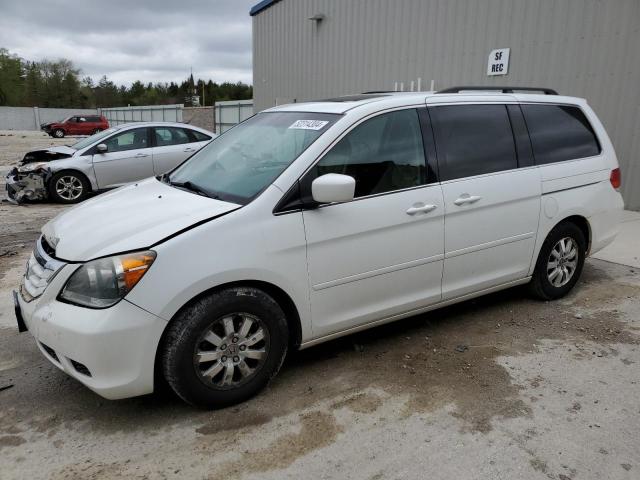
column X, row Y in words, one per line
column 134, row 266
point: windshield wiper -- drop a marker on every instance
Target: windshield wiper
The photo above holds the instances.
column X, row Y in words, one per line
column 188, row 185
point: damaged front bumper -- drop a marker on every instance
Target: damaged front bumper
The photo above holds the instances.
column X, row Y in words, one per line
column 22, row 186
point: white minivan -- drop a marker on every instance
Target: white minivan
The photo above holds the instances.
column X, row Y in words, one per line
column 315, row 220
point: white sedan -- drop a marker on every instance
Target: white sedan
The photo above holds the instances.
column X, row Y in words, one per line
column 111, row 158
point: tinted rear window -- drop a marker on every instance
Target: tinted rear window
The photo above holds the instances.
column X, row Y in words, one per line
column 473, row 140
column 198, row 136
column 559, row 133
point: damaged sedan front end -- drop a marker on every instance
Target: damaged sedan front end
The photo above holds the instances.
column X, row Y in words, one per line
column 28, row 184
column 28, row 181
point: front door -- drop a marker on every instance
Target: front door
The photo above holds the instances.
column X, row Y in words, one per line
column 73, row 126
column 127, row 159
column 491, row 197
column 381, row 254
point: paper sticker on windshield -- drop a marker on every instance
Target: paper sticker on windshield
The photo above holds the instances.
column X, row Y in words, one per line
column 309, row 124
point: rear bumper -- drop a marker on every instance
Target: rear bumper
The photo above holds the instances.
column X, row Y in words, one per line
column 605, row 226
column 111, row 351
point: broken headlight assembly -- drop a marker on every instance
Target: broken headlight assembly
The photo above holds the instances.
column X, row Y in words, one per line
column 32, row 167
column 104, row 282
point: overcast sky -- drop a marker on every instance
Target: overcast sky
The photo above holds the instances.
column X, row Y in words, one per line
column 127, row 40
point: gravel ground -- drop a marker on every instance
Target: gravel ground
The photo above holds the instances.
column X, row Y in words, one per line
column 502, row 387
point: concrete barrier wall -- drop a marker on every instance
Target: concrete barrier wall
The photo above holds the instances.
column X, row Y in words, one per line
column 30, row 118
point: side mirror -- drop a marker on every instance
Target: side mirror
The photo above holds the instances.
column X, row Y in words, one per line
column 102, row 148
column 333, row 187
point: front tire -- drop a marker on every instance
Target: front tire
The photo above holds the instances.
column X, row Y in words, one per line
column 560, row 262
column 224, row 348
column 68, row 187
column 58, row 133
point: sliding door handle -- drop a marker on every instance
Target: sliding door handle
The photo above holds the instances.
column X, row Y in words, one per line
column 466, row 198
column 421, row 209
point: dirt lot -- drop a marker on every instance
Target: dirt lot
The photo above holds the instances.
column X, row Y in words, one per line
column 503, row 387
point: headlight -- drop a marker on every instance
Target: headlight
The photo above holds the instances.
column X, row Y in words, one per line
column 32, row 167
column 104, row 282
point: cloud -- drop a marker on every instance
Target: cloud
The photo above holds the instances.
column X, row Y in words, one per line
column 128, row 40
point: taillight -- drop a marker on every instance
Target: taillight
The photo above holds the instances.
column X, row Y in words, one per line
column 615, row 178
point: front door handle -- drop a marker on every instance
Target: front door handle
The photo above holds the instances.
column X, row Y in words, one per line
column 141, row 155
column 189, row 149
column 421, row 209
column 466, row 198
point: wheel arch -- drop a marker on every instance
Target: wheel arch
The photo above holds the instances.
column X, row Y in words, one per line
column 583, row 224
column 70, row 170
column 575, row 217
column 279, row 295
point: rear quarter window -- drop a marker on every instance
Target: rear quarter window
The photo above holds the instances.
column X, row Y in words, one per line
column 197, row 136
column 559, row 133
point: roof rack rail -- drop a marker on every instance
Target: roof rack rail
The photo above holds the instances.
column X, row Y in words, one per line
column 546, row 91
column 378, row 91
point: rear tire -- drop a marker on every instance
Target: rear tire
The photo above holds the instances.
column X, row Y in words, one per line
column 210, row 356
column 58, row 133
column 97, row 130
column 559, row 263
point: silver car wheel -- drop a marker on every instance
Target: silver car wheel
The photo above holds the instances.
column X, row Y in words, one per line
column 69, row 187
column 58, row 133
column 231, row 351
column 562, row 262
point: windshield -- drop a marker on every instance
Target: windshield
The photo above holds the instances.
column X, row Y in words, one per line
column 245, row 160
column 85, row 142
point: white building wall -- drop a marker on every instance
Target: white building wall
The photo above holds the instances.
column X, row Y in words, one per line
column 586, row 48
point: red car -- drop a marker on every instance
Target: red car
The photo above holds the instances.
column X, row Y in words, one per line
column 76, row 125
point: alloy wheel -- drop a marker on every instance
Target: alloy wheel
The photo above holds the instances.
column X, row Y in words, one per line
column 562, row 262
column 69, row 187
column 231, row 351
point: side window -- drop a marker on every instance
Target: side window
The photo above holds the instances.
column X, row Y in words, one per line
column 383, row 154
column 473, row 140
column 198, row 136
column 559, row 133
column 129, row 140
column 170, row 136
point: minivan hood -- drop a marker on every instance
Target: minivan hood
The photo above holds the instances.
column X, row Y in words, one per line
column 133, row 217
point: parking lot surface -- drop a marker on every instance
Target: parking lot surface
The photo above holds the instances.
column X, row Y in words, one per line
column 502, row 387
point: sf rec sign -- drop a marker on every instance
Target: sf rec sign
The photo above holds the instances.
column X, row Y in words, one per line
column 498, row 62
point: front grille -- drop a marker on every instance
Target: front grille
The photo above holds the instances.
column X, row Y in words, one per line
column 50, row 352
column 41, row 268
column 80, row 368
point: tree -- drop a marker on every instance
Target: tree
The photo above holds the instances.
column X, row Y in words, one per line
column 11, row 78
column 48, row 83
